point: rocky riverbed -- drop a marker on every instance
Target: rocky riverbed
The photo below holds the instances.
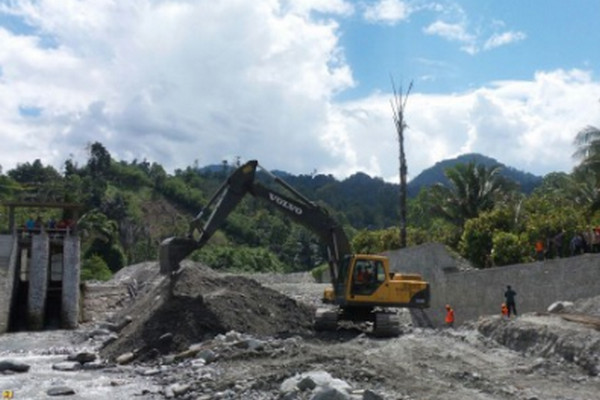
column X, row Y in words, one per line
column 213, row 336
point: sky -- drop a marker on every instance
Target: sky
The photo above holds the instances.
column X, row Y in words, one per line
column 303, row 86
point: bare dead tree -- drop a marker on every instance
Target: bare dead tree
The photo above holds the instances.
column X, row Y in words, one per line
column 398, row 103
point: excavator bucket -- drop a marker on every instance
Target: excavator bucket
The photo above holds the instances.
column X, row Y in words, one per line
column 172, row 251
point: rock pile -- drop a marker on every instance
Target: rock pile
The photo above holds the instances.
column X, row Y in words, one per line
column 198, row 304
column 201, row 372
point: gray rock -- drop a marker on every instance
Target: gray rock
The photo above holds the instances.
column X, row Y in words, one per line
column 99, row 332
column 165, row 339
column 559, row 306
column 109, row 339
column 67, row 366
column 307, row 383
column 82, row 357
column 60, row 391
column 371, row 395
column 151, row 372
column 179, row 388
column 321, row 379
column 232, row 336
column 125, row 358
column 94, row 365
column 290, row 396
column 330, row 394
column 15, row 366
column 207, row 355
column 110, row 326
column 196, row 347
column 254, row 344
column 123, row 323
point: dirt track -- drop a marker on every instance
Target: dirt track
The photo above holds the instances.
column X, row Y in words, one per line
column 256, row 340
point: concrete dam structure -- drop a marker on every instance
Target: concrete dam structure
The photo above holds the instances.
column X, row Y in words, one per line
column 39, row 279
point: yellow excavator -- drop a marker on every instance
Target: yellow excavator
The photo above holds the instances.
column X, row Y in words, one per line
column 363, row 287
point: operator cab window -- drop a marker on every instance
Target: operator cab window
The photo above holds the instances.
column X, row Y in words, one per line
column 367, row 276
column 380, row 272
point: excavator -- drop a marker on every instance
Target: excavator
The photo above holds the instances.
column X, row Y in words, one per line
column 363, row 289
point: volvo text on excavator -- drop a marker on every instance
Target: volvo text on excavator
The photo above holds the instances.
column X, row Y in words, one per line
column 363, row 288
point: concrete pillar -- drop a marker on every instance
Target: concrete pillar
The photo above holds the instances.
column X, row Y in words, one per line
column 70, row 282
column 38, row 280
column 8, row 251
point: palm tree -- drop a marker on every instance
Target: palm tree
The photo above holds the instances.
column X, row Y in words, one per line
column 101, row 236
column 473, row 189
column 587, row 142
column 587, row 173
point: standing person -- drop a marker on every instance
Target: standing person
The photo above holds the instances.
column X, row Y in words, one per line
column 449, row 316
column 509, row 295
column 30, row 224
column 504, row 311
column 539, row 250
column 558, row 243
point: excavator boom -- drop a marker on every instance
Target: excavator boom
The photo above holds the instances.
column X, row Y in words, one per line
column 241, row 182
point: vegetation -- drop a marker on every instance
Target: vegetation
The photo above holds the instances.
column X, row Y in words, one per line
column 128, row 208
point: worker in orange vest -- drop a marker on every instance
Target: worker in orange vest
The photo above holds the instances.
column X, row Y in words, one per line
column 504, row 311
column 539, row 250
column 449, row 316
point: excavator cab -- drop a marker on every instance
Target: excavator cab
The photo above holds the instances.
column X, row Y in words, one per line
column 368, row 281
column 370, row 292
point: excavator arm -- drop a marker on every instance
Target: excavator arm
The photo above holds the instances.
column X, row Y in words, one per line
column 241, row 182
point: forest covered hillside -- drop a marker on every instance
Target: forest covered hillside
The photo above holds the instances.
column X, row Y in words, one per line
column 128, row 208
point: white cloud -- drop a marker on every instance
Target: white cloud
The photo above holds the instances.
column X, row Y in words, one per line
column 171, row 81
column 528, row 125
column 452, row 32
column 471, row 38
column 175, row 82
column 501, row 39
column 387, row 11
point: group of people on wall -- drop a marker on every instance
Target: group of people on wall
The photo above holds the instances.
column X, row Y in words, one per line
column 37, row 225
column 560, row 246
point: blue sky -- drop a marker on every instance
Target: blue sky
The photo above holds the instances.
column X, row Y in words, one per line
column 454, row 57
column 301, row 85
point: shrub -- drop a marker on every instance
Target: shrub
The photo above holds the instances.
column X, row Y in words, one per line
column 94, row 268
column 240, row 258
column 509, row 248
column 319, row 271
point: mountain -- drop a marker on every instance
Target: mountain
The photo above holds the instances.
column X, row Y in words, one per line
column 354, row 186
column 435, row 174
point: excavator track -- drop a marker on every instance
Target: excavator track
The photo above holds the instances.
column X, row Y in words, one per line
column 326, row 320
column 386, row 325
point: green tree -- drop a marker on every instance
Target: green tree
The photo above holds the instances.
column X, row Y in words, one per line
column 95, row 268
column 473, row 189
column 587, row 143
column 476, row 241
column 102, row 239
column 509, row 248
column 42, row 183
column 97, row 173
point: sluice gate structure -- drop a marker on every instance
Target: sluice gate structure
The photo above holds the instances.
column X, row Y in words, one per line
column 39, row 274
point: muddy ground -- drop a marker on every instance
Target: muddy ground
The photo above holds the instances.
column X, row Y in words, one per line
column 206, row 335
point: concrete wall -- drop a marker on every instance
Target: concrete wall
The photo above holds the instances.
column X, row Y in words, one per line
column 8, row 257
column 70, row 282
column 481, row 292
column 38, row 281
column 537, row 285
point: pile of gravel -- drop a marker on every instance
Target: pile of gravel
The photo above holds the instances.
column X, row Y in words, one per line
column 197, row 304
